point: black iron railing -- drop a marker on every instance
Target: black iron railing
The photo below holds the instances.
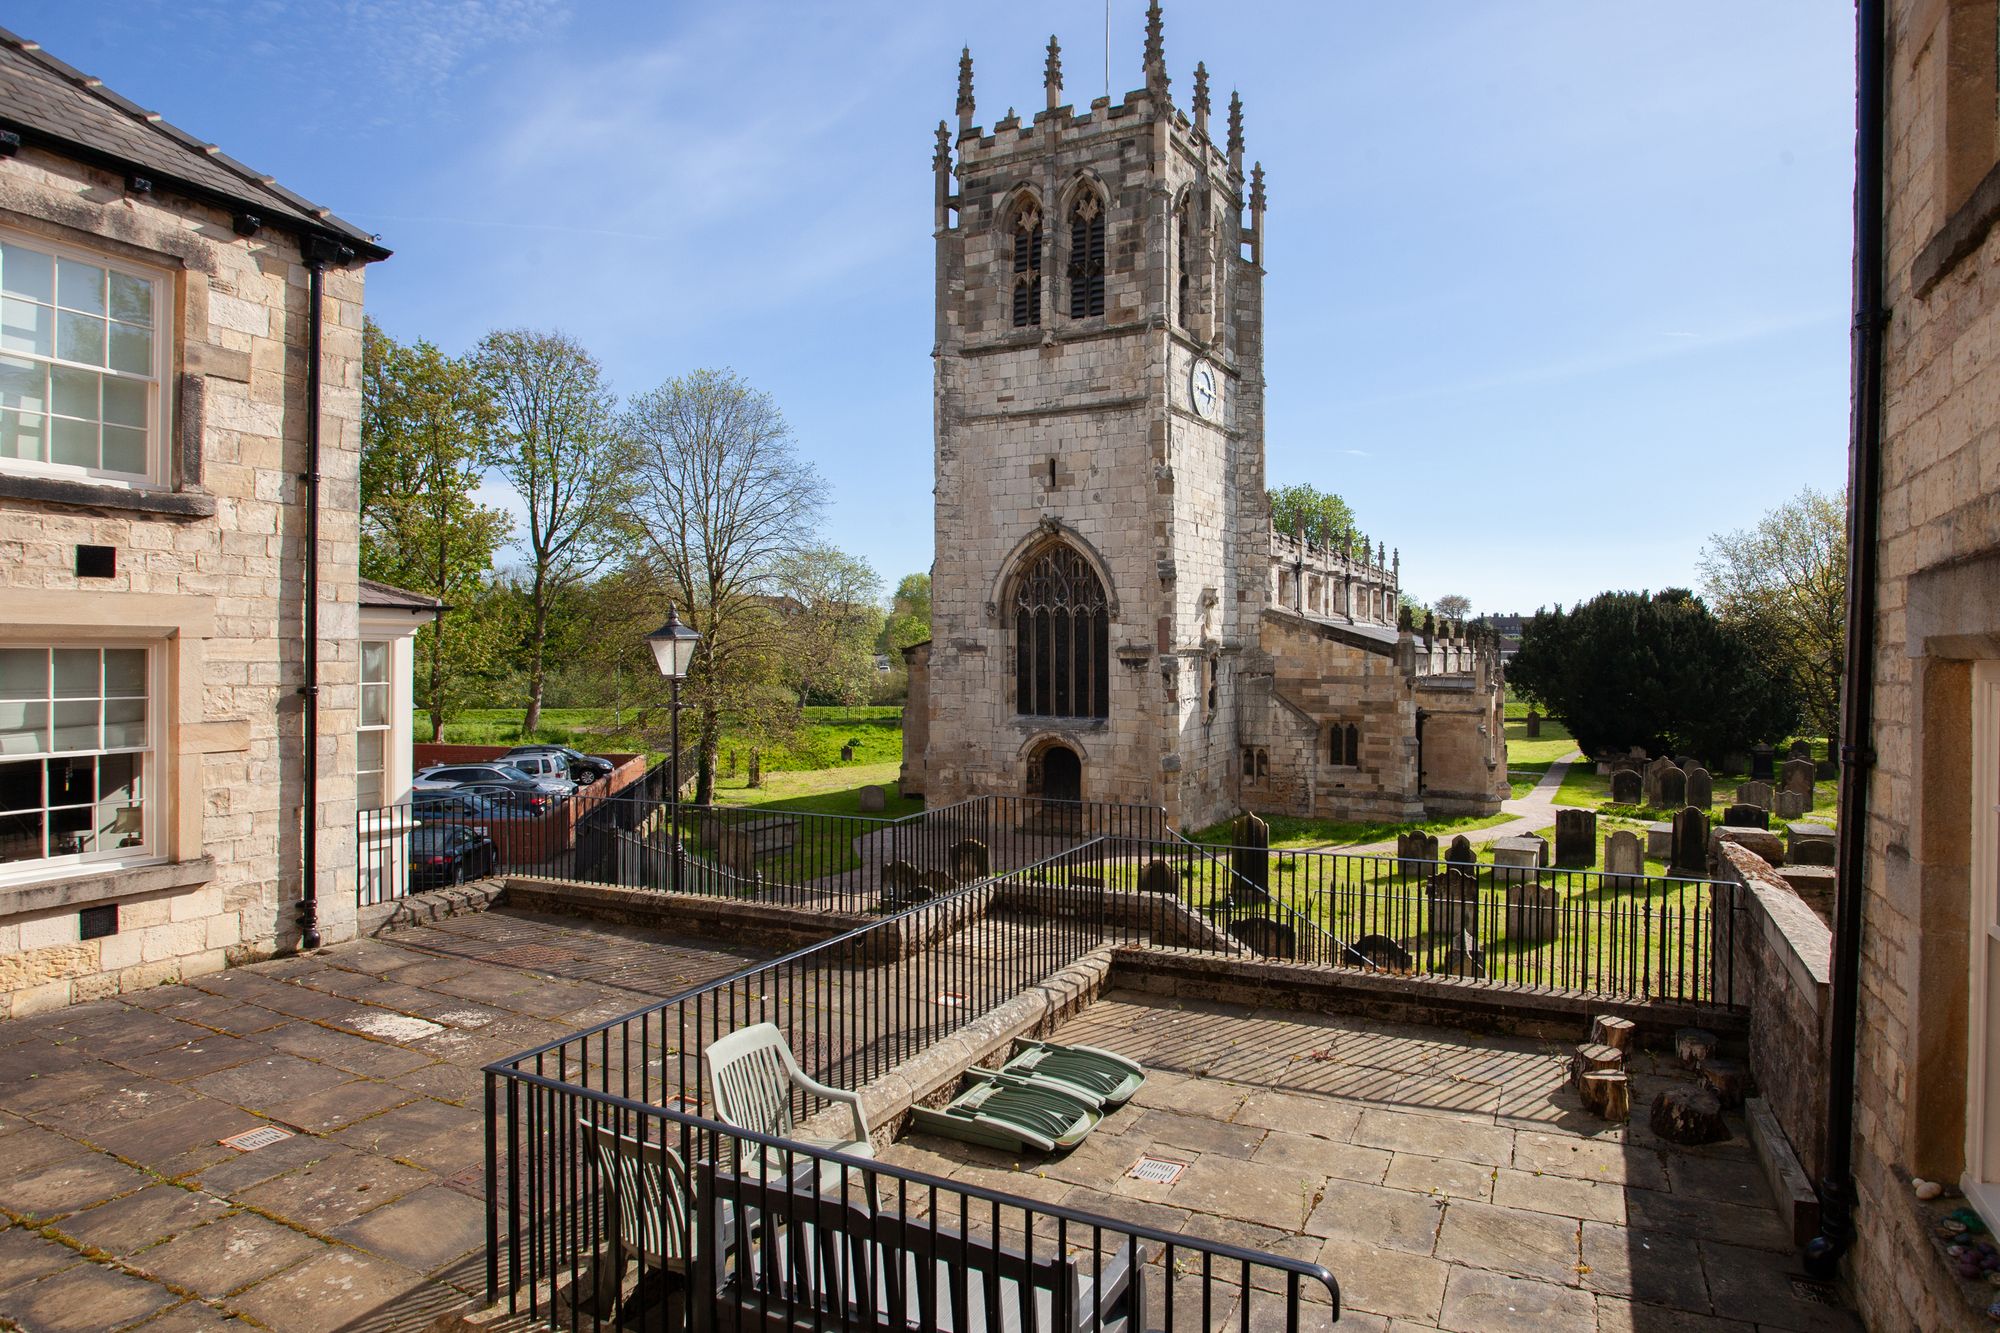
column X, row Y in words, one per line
column 773, row 1222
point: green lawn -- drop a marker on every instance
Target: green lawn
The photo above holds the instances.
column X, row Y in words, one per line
column 1291, row 832
column 876, row 733
column 828, row 791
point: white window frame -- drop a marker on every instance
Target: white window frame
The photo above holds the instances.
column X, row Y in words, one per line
column 154, row 777
column 160, row 402
column 386, row 729
column 1981, row 1182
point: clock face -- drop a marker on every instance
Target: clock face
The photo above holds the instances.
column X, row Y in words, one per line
column 1204, row 390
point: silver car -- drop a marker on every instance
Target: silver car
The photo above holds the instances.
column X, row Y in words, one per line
column 457, row 775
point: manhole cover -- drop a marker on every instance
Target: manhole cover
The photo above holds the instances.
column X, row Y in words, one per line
column 250, row 1140
column 1818, row 1293
column 530, row 955
column 1158, row 1170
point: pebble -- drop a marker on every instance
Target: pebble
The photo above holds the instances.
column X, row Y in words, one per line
column 1926, row 1189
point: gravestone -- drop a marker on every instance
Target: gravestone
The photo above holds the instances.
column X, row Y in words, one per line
column 736, row 851
column 1660, row 840
column 1454, row 902
column 1534, row 725
column 1761, row 766
column 1627, row 788
column 1746, row 816
column 1516, row 859
column 1755, row 793
column 902, row 886
column 1531, row 912
column 1817, row 839
column 1791, row 805
column 1690, row 849
column 873, row 800
column 847, row 754
column 1735, row 762
column 1576, row 838
column 1382, row 951
column 1250, row 858
column 970, row 860
column 1799, row 776
column 1652, row 780
column 1670, row 789
column 1420, row 848
column 1460, row 852
column 1463, row 959
column 1272, row 939
column 1700, row 788
column 1157, row 877
column 1800, row 750
column 1624, row 859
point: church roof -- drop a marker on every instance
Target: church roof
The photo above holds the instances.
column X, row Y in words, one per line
column 1364, row 634
column 50, row 105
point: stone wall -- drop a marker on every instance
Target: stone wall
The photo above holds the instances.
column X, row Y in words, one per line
column 209, row 572
column 1938, row 613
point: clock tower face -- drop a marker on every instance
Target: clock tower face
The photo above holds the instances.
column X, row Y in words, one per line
column 1204, row 390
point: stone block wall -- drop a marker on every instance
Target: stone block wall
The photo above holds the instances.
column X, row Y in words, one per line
column 209, row 572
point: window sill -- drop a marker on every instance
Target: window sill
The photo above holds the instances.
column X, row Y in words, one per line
column 84, row 886
column 1960, row 235
column 93, row 495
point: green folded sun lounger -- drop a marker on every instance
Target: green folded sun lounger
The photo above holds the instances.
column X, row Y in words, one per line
column 1012, row 1114
column 1104, row 1079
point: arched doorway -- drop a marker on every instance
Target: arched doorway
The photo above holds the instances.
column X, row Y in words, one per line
column 1062, row 774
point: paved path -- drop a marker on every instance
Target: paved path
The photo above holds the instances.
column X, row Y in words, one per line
column 1536, row 810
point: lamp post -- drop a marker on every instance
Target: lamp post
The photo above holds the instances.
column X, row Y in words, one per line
column 673, row 648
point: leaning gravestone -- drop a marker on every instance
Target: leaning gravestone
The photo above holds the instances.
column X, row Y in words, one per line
column 1454, row 901
column 1700, row 788
column 1576, row 838
column 1463, row 959
column 1660, row 840
column 1754, row 793
column 970, row 860
column 1418, row 852
column 1799, row 776
column 1624, row 860
column 1745, row 816
column 1690, row 842
column 1157, row 877
column 1670, row 789
column 1460, row 852
column 1531, row 912
column 1250, row 858
column 873, row 800
column 1627, row 788
column 1791, row 805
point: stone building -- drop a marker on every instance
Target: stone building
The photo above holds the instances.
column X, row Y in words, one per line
column 178, row 548
column 1917, row 938
column 1112, row 618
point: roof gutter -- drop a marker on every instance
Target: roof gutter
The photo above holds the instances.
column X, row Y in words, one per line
column 1857, row 753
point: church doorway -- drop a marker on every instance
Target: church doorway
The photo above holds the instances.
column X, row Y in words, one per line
column 1062, row 774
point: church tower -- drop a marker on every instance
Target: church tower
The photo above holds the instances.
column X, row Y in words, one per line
column 1103, row 538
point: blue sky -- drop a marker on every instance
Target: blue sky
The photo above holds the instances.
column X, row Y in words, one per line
column 1555, row 290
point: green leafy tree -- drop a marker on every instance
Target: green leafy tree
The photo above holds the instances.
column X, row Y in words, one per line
column 426, row 419
column 721, row 496
column 827, row 600
column 1306, row 511
column 1454, row 607
column 1784, row 584
column 909, row 620
column 1656, row 670
column 559, row 445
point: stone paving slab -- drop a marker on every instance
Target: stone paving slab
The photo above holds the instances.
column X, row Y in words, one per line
column 1448, row 1180
column 120, row 1208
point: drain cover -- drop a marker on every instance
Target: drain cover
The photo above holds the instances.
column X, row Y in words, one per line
column 1158, row 1170
column 1818, row 1293
column 250, row 1140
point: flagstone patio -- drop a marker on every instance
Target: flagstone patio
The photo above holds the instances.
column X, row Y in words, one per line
column 121, row 1207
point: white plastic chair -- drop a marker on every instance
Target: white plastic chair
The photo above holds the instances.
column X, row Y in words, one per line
column 753, row 1073
column 650, row 1203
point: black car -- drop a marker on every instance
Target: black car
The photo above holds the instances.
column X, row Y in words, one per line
column 518, row 803
column 583, row 768
column 466, row 805
column 450, row 854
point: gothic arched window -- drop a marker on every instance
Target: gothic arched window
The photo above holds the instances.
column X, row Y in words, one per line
column 1026, row 238
column 1062, row 638
column 1086, row 256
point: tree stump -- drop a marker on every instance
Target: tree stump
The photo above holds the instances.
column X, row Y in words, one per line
column 1689, row 1116
column 1607, row 1094
column 1610, row 1030
column 1593, row 1058
column 1727, row 1079
column 1694, row 1046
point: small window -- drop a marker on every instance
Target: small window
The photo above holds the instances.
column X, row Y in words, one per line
column 1256, row 765
column 1086, row 256
column 1183, row 259
column 82, row 364
column 371, row 741
column 1209, row 671
column 1343, row 745
column 1026, row 235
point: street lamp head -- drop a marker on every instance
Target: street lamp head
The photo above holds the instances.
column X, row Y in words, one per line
column 673, row 647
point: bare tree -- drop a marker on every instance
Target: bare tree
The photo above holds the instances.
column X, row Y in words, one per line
column 559, row 445
column 721, row 496
column 1454, row 607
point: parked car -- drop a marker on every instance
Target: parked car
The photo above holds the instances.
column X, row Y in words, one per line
column 450, row 854
column 466, row 805
column 544, row 764
column 458, row 775
column 585, row 768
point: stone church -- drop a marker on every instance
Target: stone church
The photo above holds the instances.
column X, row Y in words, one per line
column 1113, row 617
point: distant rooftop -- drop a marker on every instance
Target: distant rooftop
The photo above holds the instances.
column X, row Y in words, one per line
column 388, row 595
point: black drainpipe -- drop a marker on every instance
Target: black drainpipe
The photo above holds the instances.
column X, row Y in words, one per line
column 1857, row 753
column 318, row 253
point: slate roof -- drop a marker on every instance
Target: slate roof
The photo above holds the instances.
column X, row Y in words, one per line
column 52, row 105
column 388, row 595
